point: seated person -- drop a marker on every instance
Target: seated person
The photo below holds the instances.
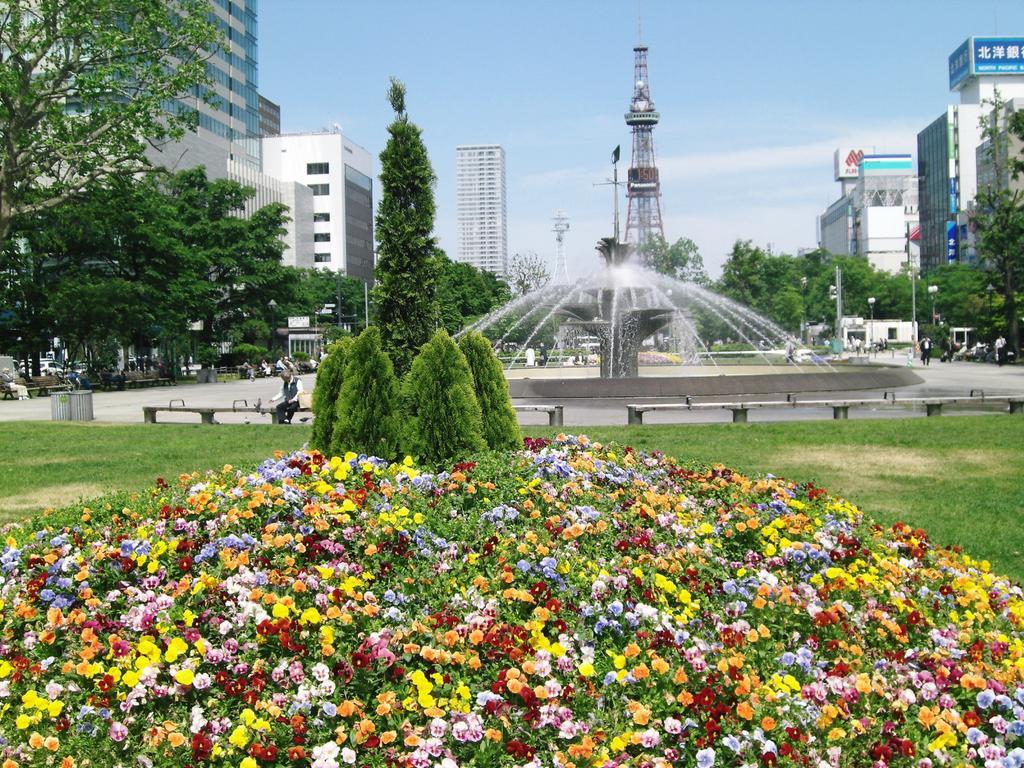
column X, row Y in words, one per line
column 291, row 388
column 8, row 384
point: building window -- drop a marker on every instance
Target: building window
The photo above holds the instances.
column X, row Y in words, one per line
column 322, row 258
column 320, row 189
column 317, row 169
column 321, row 237
column 321, row 217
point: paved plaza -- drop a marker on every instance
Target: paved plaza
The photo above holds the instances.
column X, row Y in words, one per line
column 940, row 380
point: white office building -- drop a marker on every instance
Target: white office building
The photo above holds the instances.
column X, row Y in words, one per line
column 339, row 176
column 481, row 215
column 877, row 215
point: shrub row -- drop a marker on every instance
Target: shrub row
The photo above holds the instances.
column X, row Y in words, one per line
column 454, row 400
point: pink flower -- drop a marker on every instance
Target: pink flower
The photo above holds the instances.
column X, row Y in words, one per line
column 118, row 731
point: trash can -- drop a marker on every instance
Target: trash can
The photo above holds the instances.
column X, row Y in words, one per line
column 71, row 406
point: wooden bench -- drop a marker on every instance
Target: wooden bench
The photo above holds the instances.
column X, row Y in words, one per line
column 8, row 393
column 554, row 412
column 840, row 408
column 47, row 384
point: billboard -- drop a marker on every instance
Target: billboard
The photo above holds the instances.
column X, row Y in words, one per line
column 846, row 161
column 886, row 165
column 959, row 64
column 986, row 56
column 952, row 237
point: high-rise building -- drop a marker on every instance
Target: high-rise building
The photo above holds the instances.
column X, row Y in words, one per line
column 481, row 215
column 229, row 126
column 947, row 150
column 339, row 175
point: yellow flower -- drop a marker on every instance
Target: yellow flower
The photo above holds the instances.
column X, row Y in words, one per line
column 184, row 676
column 239, row 737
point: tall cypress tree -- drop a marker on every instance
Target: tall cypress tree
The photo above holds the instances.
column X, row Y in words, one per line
column 368, row 416
column 329, row 375
column 500, row 425
column 442, row 414
column 408, row 268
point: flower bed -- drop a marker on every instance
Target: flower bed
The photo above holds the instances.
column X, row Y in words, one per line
column 570, row 604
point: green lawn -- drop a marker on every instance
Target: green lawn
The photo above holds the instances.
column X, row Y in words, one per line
column 959, row 477
column 52, row 464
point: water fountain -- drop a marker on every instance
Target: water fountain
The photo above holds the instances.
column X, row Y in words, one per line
column 628, row 308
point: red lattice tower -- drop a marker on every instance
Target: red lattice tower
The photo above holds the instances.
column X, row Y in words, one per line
column 643, row 219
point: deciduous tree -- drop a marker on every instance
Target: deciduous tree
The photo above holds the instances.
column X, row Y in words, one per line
column 84, row 85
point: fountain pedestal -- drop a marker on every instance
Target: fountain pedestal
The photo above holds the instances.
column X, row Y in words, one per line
column 620, row 315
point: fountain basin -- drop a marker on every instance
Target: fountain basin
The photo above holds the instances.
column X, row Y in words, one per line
column 561, row 384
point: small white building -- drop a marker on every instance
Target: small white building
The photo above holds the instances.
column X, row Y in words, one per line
column 339, row 175
column 858, row 331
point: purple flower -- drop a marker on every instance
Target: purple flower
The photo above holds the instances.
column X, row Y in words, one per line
column 118, row 731
column 705, row 758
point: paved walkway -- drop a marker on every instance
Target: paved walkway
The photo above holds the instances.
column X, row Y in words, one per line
column 940, row 379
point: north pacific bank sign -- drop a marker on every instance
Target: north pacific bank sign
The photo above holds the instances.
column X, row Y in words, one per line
column 986, row 56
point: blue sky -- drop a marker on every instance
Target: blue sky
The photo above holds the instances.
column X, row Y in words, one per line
column 754, row 96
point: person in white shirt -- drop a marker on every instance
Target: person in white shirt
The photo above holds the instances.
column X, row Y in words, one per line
column 291, row 388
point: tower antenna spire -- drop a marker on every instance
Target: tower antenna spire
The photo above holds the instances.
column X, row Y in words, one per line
column 643, row 186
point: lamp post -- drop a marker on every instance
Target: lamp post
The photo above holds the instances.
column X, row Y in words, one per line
column 990, row 289
column 932, row 290
column 871, row 325
column 803, row 309
column 273, row 322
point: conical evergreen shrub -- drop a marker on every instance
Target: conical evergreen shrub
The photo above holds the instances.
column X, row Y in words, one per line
column 500, row 425
column 368, row 418
column 325, row 393
column 442, row 415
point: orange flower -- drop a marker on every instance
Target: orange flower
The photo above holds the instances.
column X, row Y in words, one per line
column 176, row 739
column 387, row 737
column 35, row 740
column 347, row 708
column 745, row 711
column 767, row 723
column 52, row 743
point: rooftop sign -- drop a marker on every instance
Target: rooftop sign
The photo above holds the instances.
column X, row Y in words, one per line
column 986, row 56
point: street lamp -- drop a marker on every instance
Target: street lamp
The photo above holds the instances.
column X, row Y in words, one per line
column 803, row 309
column 990, row 289
column 273, row 322
column 932, row 290
column 871, row 325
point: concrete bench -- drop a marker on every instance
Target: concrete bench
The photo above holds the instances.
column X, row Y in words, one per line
column 207, row 412
column 554, row 412
column 840, row 408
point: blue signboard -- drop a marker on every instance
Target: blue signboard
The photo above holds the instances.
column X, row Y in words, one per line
column 953, row 195
column 959, row 64
column 986, row 56
column 952, row 237
column 998, row 55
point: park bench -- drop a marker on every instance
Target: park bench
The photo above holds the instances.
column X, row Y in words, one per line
column 47, row 384
column 554, row 412
column 840, row 408
column 8, row 392
column 207, row 412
